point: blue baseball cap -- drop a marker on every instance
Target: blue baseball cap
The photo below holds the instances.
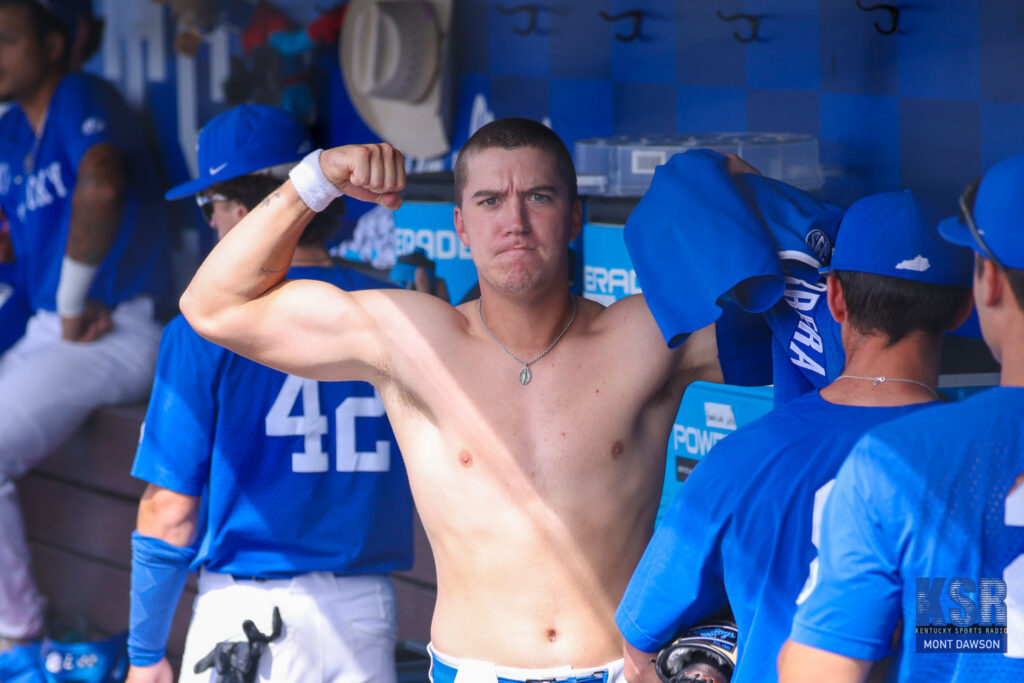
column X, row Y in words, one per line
column 894, row 234
column 67, row 11
column 998, row 214
column 247, row 139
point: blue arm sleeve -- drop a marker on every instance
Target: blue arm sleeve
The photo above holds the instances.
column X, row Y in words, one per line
column 855, row 605
column 159, row 572
column 679, row 578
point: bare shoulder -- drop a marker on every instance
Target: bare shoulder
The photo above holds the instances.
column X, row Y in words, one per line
column 629, row 316
column 403, row 320
column 630, row 324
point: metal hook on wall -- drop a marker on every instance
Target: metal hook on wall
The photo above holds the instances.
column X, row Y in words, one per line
column 636, row 15
column 531, row 10
column 894, row 17
column 755, row 25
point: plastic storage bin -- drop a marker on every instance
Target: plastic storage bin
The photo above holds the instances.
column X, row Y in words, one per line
column 623, row 166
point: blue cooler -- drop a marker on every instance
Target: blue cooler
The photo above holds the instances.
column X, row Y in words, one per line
column 608, row 273
column 707, row 414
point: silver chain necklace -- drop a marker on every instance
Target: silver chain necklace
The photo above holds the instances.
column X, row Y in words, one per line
column 875, row 381
column 525, row 375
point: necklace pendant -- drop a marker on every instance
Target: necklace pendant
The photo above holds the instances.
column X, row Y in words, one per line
column 524, row 375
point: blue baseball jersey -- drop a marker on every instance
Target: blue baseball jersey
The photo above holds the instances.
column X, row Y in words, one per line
column 694, row 239
column 295, row 475
column 807, row 348
column 14, row 310
column 701, row 236
column 38, row 178
column 740, row 531
column 932, row 495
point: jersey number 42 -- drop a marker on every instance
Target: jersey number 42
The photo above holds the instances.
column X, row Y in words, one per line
column 312, row 425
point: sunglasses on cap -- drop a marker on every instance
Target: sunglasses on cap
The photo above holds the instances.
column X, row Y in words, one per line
column 967, row 217
column 205, row 202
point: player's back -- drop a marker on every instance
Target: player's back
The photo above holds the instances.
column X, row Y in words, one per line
column 746, row 518
column 955, row 510
column 296, row 475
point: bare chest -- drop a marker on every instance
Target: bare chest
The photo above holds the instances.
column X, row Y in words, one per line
column 577, row 422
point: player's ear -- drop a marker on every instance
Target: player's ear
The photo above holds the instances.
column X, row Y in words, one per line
column 836, row 300
column 54, row 46
column 989, row 283
column 460, row 226
column 963, row 312
column 577, row 218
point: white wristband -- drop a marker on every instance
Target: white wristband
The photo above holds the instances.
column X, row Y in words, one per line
column 73, row 288
column 309, row 181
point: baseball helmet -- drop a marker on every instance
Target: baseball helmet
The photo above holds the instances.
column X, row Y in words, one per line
column 712, row 643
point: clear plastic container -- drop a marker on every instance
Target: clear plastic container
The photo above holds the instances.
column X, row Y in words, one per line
column 624, row 165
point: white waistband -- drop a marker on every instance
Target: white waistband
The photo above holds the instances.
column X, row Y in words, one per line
column 311, row 583
column 490, row 669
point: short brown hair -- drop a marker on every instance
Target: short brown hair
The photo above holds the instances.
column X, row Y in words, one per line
column 514, row 133
column 250, row 190
column 895, row 307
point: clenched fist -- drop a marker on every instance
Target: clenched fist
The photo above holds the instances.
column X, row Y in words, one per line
column 372, row 173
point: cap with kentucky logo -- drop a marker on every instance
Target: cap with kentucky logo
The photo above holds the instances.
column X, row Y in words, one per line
column 251, row 138
column 998, row 213
column 895, row 234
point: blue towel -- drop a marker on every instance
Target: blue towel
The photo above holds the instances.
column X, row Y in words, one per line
column 701, row 237
column 803, row 226
column 683, row 238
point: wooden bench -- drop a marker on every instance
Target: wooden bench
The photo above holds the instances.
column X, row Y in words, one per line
column 80, row 505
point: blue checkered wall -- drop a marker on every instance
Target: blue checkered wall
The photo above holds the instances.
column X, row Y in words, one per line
column 927, row 107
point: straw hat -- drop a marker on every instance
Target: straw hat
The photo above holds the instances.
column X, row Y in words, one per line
column 394, row 58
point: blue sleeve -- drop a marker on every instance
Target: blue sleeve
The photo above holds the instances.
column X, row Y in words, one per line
column 855, row 605
column 694, row 239
column 178, row 434
column 679, row 578
column 88, row 115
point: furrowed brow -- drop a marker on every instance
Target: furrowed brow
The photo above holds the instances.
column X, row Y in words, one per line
column 544, row 189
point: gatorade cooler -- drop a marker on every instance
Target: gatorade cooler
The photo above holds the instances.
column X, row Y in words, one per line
column 608, row 273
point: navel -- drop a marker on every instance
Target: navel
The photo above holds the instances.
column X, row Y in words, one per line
column 465, row 458
column 552, row 635
column 617, row 449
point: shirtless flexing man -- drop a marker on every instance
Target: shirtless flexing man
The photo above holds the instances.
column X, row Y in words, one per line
column 538, row 498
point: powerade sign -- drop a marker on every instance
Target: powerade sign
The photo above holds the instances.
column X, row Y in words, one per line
column 961, row 615
column 707, row 414
column 428, row 226
column 608, row 273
